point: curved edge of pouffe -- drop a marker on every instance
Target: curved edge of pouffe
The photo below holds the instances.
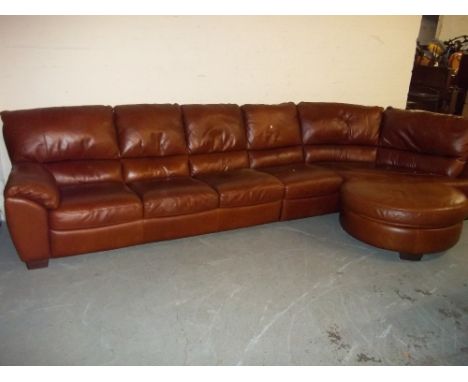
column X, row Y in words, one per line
column 365, row 199
column 401, row 239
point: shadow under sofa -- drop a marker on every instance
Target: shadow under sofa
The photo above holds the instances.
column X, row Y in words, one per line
column 91, row 178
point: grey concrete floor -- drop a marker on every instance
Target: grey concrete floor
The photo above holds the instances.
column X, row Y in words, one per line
column 291, row 293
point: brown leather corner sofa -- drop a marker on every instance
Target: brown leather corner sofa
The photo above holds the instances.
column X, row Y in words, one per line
column 92, row 178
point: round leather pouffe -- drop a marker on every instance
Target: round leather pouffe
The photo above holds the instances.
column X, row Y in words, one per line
column 413, row 218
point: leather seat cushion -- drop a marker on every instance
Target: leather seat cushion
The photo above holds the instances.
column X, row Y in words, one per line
column 95, row 205
column 351, row 170
column 303, row 181
column 174, row 196
column 368, row 171
column 418, row 205
column 244, row 187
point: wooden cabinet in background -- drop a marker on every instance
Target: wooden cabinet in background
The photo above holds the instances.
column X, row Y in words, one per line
column 435, row 89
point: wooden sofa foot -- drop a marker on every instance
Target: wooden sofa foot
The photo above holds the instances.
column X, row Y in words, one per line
column 35, row 264
column 410, row 256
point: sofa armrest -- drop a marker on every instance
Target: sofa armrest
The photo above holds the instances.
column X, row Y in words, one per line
column 32, row 181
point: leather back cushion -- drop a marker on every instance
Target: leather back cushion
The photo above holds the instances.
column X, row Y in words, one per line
column 87, row 171
column 339, row 132
column 154, row 168
column 273, row 134
column 150, row 130
column 214, row 128
column 216, row 138
column 271, row 126
column 60, row 133
column 423, row 141
column 218, row 162
column 340, row 153
column 276, row 157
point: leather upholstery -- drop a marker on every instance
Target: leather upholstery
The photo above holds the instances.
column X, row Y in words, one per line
column 95, row 205
column 339, row 123
column 73, row 242
column 271, row 126
column 152, row 141
column 303, row 181
column 340, row 153
column 244, row 187
column 89, row 178
column 461, row 184
column 366, row 170
column 405, row 204
column 75, row 172
column 401, row 239
column 464, row 173
column 29, row 229
column 339, row 132
column 422, row 163
column 214, row 128
column 276, row 157
column 171, row 227
column 218, row 162
column 33, row 182
column 310, row 206
column 238, row 217
column 413, row 218
column 216, row 133
column 175, row 196
column 150, row 130
column 273, row 134
column 369, row 171
column 420, row 140
column 309, row 190
column 136, row 169
column 60, row 133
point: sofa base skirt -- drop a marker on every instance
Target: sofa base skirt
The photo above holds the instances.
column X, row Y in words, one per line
column 238, row 217
column 174, row 227
column 401, row 239
column 303, row 208
column 221, row 219
column 75, row 242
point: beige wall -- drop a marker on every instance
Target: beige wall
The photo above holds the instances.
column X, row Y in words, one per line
column 51, row 61
column 452, row 26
